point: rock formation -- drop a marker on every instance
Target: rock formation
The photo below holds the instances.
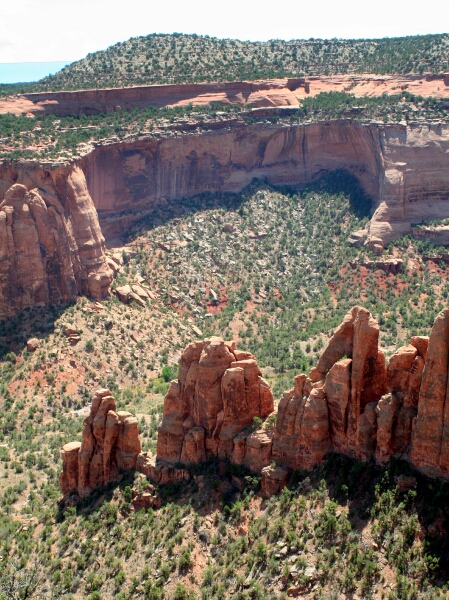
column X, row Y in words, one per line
column 217, row 395
column 110, row 444
column 402, row 167
column 51, row 245
column 351, row 403
column 271, row 92
column 430, row 438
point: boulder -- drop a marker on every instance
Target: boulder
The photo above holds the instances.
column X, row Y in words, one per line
column 32, row 345
column 144, row 494
column 274, row 478
column 421, row 343
column 123, row 293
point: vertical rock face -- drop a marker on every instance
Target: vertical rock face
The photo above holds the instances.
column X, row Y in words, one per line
column 351, row 403
column 68, row 479
column 218, row 393
column 51, row 246
column 301, row 439
column 430, row 438
column 110, row 444
column 354, row 372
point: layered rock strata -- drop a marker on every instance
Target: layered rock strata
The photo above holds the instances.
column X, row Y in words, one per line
column 110, row 444
column 51, row 245
column 402, row 167
column 271, row 92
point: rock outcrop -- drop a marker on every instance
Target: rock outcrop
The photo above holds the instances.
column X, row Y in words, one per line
column 351, row 403
column 51, row 245
column 402, row 167
column 110, row 444
column 430, row 438
column 218, row 393
column 274, row 478
column 271, row 92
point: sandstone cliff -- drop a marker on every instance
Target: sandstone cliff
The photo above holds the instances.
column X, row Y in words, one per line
column 51, row 245
column 262, row 93
column 403, row 168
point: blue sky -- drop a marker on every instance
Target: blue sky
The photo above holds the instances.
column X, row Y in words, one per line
column 63, row 30
column 28, row 71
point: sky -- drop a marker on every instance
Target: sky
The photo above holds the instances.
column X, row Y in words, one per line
column 64, row 30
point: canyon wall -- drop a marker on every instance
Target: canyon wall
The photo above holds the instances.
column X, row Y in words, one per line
column 137, row 176
column 271, row 92
column 405, row 169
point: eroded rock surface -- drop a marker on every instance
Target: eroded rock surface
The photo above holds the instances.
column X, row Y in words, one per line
column 51, row 245
column 218, row 393
column 351, row 403
column 110, row 444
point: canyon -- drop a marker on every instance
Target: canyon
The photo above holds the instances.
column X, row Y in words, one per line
column 403, row 168
column 352, row 402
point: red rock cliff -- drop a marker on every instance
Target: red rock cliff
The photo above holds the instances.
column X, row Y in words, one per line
column 51, row 245
column 403, row 168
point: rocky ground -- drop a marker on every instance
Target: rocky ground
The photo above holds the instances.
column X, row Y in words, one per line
column 274, row 272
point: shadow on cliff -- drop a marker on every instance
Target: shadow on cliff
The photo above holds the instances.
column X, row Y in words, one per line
column 35, row 322
column 335, row 182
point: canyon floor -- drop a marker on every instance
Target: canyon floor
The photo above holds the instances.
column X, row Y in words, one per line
column 271, row 269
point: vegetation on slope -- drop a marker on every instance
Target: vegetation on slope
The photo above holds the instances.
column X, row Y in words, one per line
column 271, row 269
column 51, row 137
column 180, row 58
column 275, row 270
column 344, row 528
